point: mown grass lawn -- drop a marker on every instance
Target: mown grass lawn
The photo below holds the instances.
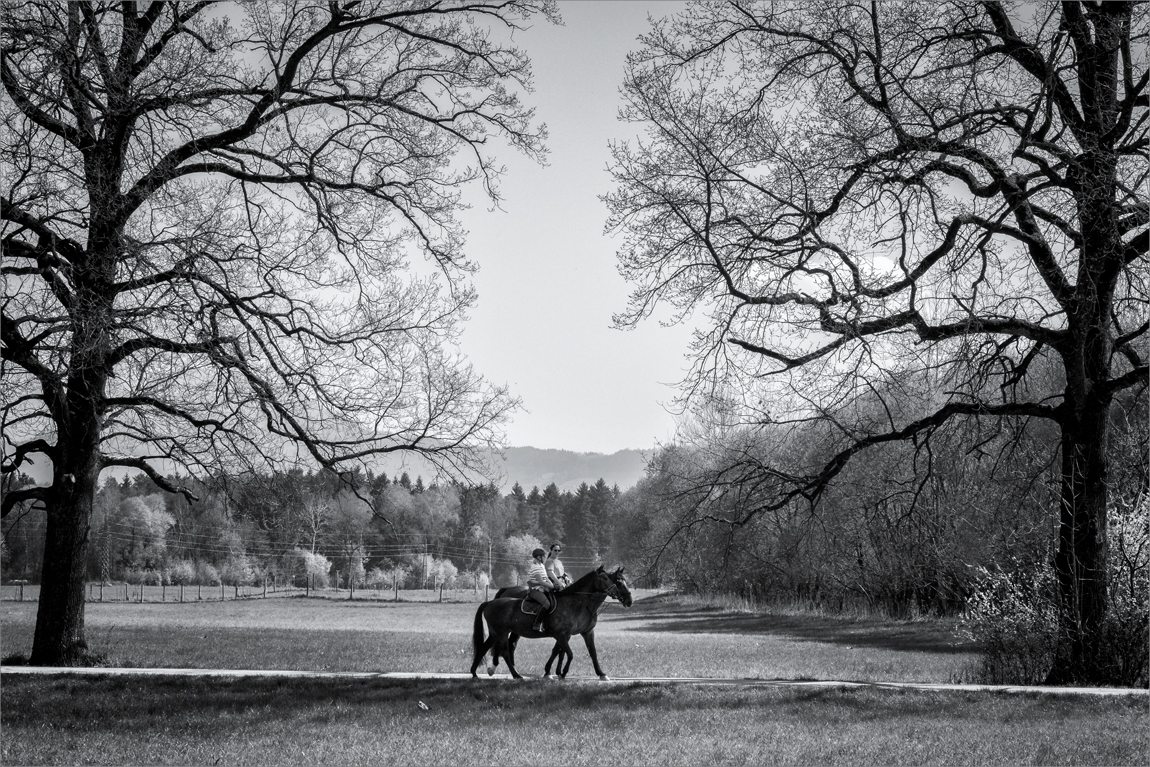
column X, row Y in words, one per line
column 124, row 720
column 659, row 636
column 108, row 720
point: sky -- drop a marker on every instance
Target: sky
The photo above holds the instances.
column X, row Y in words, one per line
column 548, row 283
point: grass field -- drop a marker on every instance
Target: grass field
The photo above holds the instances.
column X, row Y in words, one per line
column 105, row 720
column 361, row 722
column 658, row 636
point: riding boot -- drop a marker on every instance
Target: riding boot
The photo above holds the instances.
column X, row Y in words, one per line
column 538, row 624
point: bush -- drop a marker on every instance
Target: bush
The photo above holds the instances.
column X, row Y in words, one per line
column 307, row 563
column 136, row 576
column 1123, row 647
column 468, row 579
column 181, row 572
column 207, row 575
column 1014, row 618
column 385, row 577
column 237, row 571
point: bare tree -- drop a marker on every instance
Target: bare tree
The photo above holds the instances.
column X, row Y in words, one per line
column 856, row 193
column 210, row 219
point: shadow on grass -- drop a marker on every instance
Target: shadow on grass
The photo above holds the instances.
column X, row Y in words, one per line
column 214, row 708
column 667, row 616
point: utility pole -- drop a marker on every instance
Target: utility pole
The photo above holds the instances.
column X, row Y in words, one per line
column 489, row 559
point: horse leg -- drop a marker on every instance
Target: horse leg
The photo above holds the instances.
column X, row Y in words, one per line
column 563, row 651
column 589, row 639
column 502, row 647
column 556, row 652
column 512, row 643
column 567, row 665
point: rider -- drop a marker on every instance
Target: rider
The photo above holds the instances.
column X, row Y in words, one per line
column 539, row 582
column 555, row 567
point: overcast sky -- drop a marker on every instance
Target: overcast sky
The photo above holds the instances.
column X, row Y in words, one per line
column 547, row 282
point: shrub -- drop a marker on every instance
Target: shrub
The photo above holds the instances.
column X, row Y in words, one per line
column 1013, row 616
column 385, row 577
column 471, row 579
column 1123, row 644
column 237, row 571
column 308, row 563
column 207, row 575
column 181, row 572
column 441, row 571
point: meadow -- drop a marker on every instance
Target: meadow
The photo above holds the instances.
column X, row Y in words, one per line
column 117, row 720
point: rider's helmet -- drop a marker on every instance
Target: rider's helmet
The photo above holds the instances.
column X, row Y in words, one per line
column 538, row 553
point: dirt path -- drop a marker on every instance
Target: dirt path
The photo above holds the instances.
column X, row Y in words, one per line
column 734, row 682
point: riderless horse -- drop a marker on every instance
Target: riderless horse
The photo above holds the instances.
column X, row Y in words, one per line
column 576, row 612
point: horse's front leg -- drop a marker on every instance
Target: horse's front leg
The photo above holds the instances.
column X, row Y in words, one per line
column 567, row 664
column 589, row 639
column 562, row 651
column 556, row 652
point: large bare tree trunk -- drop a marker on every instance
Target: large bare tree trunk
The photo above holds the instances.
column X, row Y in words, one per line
column 1080, row 562
column 59, row 638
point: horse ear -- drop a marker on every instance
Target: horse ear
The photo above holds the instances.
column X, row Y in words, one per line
column 600, row 568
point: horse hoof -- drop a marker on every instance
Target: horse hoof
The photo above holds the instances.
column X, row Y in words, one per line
column 604, row 678
column 548, row 676
column 490, row 670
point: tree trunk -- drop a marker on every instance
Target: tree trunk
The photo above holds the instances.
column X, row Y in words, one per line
column 59, row 639
column 1080, row 563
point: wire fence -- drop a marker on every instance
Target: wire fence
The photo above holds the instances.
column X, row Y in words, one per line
column 192, row 593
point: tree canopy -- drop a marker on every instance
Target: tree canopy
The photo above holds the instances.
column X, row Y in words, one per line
column 230, row 238
column 869, row 201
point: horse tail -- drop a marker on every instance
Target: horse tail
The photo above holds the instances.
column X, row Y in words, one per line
column 477, row 633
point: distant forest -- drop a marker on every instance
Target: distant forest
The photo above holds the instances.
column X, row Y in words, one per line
column 366, row 530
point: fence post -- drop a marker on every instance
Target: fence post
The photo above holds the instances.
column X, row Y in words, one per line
column 21, row 591
column 199, row 591
column 307, row 585
column 237, row 591
column 485, row 599
column 222, row 597
column 395, row 584
column 181, row 592
column 163, row 590
column 126, row 597
column 441, row 591
column 101, row 591
column 351, row 585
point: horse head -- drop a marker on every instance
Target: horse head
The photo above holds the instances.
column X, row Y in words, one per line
column 621, row 586
column 613, row 584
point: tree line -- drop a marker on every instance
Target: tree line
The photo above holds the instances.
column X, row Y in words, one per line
column 363, row 530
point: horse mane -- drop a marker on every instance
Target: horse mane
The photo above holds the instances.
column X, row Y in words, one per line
column 580, row 584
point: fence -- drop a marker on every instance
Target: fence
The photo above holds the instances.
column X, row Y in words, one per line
column 141, row 593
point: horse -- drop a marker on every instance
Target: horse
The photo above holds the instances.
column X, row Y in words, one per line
column 559, row 651
column 576, row 612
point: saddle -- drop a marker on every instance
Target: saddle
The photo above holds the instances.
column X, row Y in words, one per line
column 530, row 607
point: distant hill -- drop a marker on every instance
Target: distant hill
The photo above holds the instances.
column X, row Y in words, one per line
column 529, row 466
column 536, row 467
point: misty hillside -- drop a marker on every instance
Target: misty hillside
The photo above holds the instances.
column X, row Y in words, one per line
column 536, row 467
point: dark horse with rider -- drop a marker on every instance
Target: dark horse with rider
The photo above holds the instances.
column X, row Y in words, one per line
column 561, row 613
